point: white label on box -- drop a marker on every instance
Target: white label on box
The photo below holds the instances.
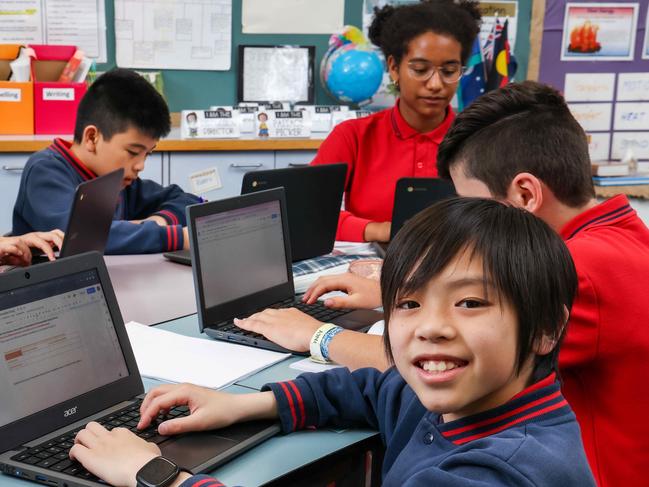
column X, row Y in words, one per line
column 636, row 142
column 204, row 181
column 632, row 116
column 58, row 94
column 10, row 94
column 592, row 116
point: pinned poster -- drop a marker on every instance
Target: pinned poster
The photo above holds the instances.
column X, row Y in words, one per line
column 589, row 86
column 599, row 31
column 598, row 146
column 592, row 116
column 633, row 86
column 631, row 116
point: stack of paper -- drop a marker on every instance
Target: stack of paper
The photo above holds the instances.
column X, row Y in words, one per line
column 171, row 357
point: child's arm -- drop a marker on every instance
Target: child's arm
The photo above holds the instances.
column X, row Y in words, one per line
column 147, row 237
column 147, row 198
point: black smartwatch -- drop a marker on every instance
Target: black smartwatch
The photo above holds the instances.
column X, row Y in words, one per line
column 159, row 472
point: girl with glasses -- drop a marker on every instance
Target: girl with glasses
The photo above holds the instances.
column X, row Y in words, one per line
column 425, row 45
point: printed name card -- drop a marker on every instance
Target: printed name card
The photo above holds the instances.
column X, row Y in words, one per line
column 636, row 142
column 348, row 115
column 592, row 116
column 589, row 86
column 321, row 116
column 633, row 86
column 247, row 117
column 222, row 123
column 631, row 116
column 283, row 124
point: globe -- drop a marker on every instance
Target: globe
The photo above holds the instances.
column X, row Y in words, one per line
column 351, row 74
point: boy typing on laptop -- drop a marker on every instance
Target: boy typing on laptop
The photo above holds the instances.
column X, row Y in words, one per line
column 119, row 122
column 17, row 251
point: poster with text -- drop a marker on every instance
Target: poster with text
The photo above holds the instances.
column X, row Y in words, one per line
column 599, row 31
column 645, row 46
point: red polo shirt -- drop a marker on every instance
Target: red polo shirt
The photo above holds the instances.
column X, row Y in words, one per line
column 604, row 360
column 379, row 149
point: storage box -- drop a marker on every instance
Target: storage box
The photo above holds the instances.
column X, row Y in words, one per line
column 55, row 104
column 16, row 99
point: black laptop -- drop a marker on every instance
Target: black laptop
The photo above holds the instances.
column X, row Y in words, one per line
column 66, row 361
column 91, row 216
column 411, row 196
column 313, row 199
column 242, row 264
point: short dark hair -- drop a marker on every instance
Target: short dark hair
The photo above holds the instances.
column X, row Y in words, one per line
column 120, row 99
column 527, row 262
column 522, row 127
column 394, row 27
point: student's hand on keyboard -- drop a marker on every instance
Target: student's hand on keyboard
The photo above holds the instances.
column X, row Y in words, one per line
column 289, row 327
column 209, row 409
column 114, row 456
column 362, row 293
column 16, row 250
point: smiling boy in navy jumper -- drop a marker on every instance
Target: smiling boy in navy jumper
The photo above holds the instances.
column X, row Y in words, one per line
column 476, row 295
column 119, row 122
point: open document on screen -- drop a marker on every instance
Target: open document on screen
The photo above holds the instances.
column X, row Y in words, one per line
column 57, row 341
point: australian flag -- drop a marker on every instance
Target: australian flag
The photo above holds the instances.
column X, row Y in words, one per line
column 473, row 83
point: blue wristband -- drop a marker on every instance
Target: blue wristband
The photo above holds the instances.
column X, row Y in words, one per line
column 324, row 344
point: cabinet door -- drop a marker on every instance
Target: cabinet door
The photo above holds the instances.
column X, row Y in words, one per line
column 297, row 158
column 11, row 169
column 230, row 168
column 153, row 168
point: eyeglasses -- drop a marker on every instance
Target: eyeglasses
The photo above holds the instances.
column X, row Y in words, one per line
column 449, row 73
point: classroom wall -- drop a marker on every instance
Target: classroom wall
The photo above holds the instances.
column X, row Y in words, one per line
column 200, row 89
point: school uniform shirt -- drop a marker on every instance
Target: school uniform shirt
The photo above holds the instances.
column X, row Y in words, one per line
column 47, row 190
column 379, row 150
column 532, row 440
column 604, row 359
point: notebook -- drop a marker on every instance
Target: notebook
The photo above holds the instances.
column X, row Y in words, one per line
column 91, row 216
column 242, row 264
column 412, row 195
column 66, row 361
column 313, row 200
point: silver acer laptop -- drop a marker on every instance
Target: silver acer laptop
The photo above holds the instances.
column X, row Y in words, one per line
column 66, row 360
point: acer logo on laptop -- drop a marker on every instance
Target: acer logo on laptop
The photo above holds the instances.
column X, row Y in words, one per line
column 70, row 412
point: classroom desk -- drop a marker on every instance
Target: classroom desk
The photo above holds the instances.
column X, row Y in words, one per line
column 281, row 457
column 150, row 289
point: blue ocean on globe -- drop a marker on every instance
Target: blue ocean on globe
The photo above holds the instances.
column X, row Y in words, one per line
column 353, row 75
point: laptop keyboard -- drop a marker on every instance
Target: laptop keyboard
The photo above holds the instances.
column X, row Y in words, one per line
column 317, row 310
column 54, row 454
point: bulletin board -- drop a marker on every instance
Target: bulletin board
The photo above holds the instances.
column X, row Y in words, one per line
column 610, row 98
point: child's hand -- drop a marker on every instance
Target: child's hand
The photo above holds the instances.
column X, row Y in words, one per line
column 114, row 456
column 209, row 409
column 15, row 250
column 290, row 327
column 362, row 293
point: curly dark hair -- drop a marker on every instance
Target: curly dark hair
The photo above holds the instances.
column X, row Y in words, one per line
column 394, row 27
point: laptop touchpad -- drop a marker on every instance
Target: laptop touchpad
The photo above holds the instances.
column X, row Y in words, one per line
column 194, row 450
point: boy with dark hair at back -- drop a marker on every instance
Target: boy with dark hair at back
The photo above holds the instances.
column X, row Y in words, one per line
column 119, row 122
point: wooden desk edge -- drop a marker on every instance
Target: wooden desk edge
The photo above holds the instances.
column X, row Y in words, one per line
column 178, row 145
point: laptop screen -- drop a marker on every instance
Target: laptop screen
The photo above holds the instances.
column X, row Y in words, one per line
column 57, row 341
column 241, row 252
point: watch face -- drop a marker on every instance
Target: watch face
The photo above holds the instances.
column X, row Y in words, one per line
column 158, row 472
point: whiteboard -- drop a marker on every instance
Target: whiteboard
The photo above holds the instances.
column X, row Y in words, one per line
column 173, row 34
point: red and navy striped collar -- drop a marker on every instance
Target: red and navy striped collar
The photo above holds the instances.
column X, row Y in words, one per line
column 63, row 148
column 405, row 131
column 539, row 401
column 607, row 213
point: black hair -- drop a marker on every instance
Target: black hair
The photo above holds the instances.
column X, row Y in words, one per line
column 118, row 100
column 525, row 260
column 522, row 127
column 394, row 27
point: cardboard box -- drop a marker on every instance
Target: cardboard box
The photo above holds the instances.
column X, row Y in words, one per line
column 16, row 99
column 55, row 104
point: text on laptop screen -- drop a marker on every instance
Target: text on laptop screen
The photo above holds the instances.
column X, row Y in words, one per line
column 241, row 252
column 57, row 341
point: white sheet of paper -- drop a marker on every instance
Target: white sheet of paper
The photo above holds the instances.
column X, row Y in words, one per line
column 292, row 16
column 81, row 23
column 598, row 146
column 638, row 142
column 589, row 86
column 592, row 116
column 632, row 116
column 171, row 357
column 632, row 86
